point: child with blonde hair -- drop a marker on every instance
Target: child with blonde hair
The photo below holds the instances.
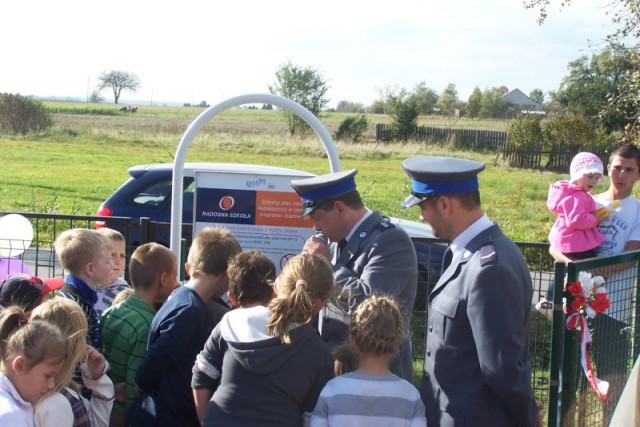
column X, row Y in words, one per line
column 107, row 293
column 85, row 256
column 64, row 406
column 266, row 364
column 32, row 354
column 371, row 395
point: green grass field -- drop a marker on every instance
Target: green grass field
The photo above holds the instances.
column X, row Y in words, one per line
column 72, row 167
column 244, row 115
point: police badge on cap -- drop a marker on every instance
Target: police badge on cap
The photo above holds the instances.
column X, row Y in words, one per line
column 439, row 176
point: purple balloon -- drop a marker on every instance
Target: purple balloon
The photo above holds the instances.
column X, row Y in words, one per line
column 12, row 266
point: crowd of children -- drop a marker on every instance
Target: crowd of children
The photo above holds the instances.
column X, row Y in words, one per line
column 102, row 353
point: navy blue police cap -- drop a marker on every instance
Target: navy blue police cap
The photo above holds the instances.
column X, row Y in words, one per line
column 440, row 176
column 318, row 189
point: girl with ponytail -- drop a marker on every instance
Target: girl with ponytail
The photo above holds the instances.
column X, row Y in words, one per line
column 266, row 364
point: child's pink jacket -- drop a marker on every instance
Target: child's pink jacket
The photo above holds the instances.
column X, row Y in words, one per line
column 576, row 226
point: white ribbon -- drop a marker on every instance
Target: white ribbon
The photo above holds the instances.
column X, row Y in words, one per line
column 599, row 386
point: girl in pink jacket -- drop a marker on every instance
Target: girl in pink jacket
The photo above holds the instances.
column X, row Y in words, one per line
column 575, row 231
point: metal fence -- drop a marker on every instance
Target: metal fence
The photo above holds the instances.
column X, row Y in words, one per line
column 557, row 377
column 38, row 256
column 615, row 346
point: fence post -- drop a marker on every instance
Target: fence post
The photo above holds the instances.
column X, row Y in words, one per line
column 557, row 338
column 569, row 365
column 183, row 255
column 636, row 328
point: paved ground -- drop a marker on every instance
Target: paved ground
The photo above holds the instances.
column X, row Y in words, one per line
column 42, row 263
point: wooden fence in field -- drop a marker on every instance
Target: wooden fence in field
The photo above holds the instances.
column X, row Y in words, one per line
column 464, row 138
column 531, row 156
column 557, row 159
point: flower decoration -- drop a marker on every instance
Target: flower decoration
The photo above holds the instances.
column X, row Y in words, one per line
column 589, row 298
column 589, row 295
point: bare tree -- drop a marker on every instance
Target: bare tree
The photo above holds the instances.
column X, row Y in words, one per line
column 118, row 81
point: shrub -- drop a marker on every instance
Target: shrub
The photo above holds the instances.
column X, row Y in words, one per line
column 21, row 114
column 405, row 118
column 352, row 128
column 95, row 97
column 570, row 130
column 525, row 130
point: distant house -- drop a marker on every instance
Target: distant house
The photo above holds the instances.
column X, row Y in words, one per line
column 519, row 102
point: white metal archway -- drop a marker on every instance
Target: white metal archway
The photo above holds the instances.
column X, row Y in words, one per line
column 208, row 114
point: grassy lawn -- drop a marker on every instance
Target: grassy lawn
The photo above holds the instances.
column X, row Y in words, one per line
column 74, row 166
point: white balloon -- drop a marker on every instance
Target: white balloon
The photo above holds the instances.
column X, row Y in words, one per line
column 16, row 234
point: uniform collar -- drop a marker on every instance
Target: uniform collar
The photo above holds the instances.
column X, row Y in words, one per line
column 460, row 243
column 358, row 224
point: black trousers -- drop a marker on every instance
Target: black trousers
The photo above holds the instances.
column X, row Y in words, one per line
column 611, row 349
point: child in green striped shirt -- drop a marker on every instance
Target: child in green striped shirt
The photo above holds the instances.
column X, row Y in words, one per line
column 125, row 326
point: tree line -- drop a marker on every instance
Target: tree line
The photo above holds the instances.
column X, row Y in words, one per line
column 602, row 90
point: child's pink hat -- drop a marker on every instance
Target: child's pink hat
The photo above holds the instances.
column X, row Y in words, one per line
column 585, row 163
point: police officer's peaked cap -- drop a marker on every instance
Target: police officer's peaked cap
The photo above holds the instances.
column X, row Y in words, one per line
column 440, row 176
column 318, row 189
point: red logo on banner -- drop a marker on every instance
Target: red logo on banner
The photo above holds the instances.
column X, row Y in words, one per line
column 227, row 203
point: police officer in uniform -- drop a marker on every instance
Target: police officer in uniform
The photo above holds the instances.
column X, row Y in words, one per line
column 477, row 369
column 369, row 256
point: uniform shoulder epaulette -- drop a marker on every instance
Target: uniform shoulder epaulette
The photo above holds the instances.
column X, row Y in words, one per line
column 385, row 224
column 488, row 254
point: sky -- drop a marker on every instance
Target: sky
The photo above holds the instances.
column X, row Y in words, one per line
column 193, row 50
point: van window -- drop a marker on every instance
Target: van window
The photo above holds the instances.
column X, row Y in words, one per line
column 154, row 195
column 158, row 194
